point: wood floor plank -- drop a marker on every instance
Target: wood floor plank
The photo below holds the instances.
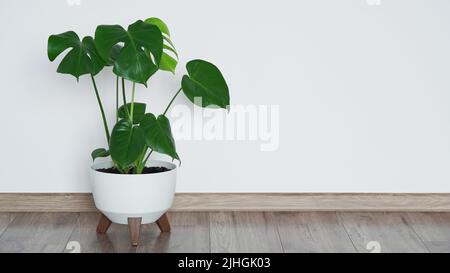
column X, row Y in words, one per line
column 232, row 232
column 38, row 232
column 117, row 239
column 190, row 233
column 313, row 232
column 244, row 232
column 5, row 219
column 433, row 229
column 390, row 230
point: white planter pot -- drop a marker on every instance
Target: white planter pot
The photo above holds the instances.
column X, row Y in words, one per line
column 119, row 196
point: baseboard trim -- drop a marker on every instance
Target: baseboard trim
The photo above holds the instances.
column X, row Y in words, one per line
column 83, row 202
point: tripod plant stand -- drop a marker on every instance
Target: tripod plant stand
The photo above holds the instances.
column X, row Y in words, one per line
column 134, row 225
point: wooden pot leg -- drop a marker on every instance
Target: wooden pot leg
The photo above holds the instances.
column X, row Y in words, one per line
column 134, row 224
column 163, row 223
column 103, row 224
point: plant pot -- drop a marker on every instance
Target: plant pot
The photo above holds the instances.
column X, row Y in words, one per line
column 123, row 196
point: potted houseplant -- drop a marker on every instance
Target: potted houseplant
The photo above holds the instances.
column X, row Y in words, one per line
column 131, row 188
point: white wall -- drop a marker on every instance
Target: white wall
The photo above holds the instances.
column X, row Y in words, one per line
column 363, row 91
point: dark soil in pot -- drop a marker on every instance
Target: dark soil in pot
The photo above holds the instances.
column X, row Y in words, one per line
column 146, row 170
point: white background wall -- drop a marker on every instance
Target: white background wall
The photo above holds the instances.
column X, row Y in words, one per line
column 364, row 93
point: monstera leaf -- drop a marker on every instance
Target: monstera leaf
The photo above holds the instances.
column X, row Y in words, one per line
column 132, row 63
column 127, row 143
column 100, row 152
column 83, row 57
column 160, row 24
column 167, row 63
column 205, row 81
column 138, row 111
column 158, row 134
column 115, row 51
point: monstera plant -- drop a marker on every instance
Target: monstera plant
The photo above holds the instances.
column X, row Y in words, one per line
column 135, row 54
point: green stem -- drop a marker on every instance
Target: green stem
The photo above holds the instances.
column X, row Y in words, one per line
column 132, row 102
column 145, row 160
column 123, row 92
column 139, row 163
column 117, row 98
column 105, row 124
column 170, row 103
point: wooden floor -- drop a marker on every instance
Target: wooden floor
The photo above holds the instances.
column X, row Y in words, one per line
column 233, row 232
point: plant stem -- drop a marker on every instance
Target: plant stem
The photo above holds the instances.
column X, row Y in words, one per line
column 132, row 102
column 123, row 92
column 124, row 97
column 170, row 103
column 140, row 162
column 117, row 98
column 105, row 124
column 145, row 160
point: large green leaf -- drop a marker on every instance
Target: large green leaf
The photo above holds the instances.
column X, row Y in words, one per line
column 83, row 58
column 138, row 111
column 167, row 63
column 158, row 134
column 115, row 51
column 159, row 23
column 205, row 81
column 127, row 143
column 171, row 49
column 100, row 152
column 132, row 63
